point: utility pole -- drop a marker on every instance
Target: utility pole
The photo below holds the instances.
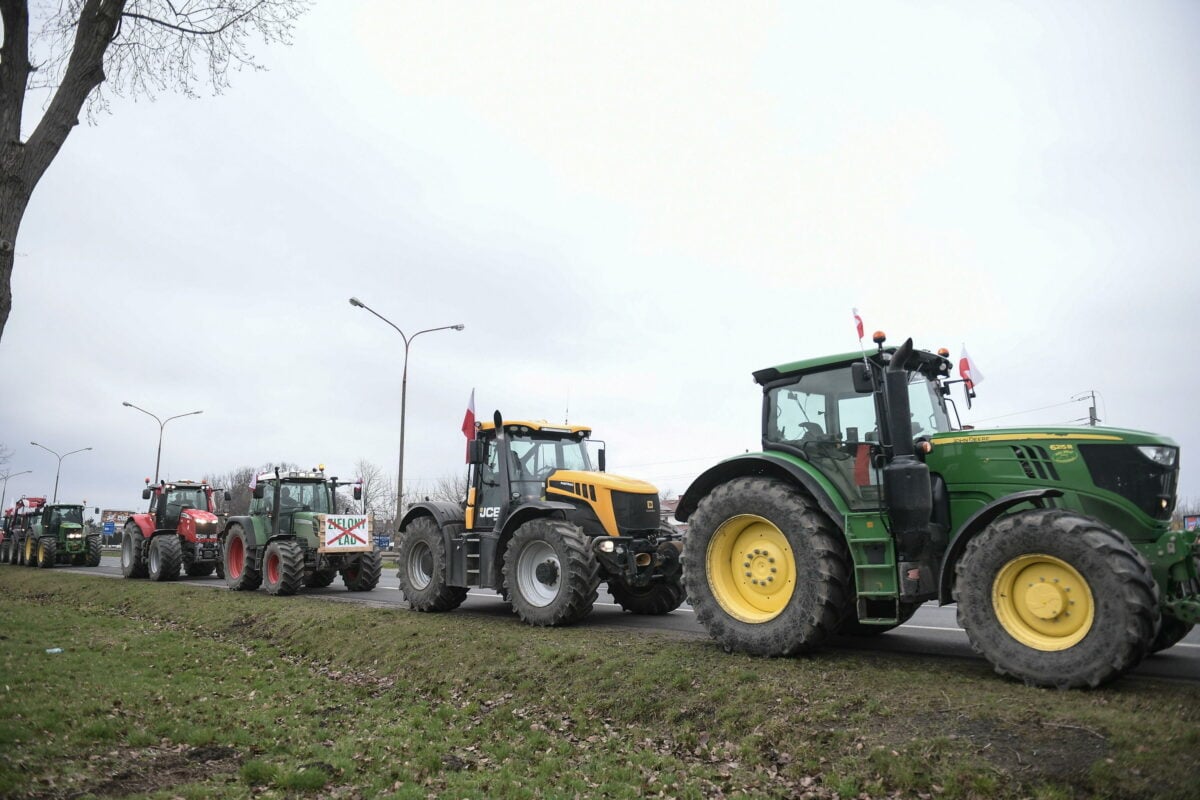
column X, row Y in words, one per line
column 1090, row 393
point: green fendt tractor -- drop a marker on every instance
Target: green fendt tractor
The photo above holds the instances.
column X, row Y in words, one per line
column 58, row 535
column 294, row 536
column 543, row 528
column 867, row 502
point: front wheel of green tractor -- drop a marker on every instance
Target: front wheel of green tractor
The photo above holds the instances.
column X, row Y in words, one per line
column 164, row 558
column 132, row 563
column 199, row 569
column 30, row 551
column 765, row 569
column 93, row 552
column 362, row 575
column 421, row 553
column 283, row 567
column 47, row 550
column 1056, row 599
column 660, row 597
column 241, row 573
column 551, row 573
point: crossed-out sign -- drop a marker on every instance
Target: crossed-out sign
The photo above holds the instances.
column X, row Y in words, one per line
column 346, row 533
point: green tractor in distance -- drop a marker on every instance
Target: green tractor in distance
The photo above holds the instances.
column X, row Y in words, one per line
column 544, row 528
column 294, row 536
column 867, row 502
column 58, row 536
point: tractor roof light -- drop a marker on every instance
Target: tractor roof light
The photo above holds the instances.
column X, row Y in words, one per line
column 943, row 352
column 879, row 337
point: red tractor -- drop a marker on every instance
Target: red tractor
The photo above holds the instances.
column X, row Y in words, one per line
column 18, row 524
column 179, row 531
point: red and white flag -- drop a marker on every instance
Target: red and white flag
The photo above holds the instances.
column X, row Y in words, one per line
column 858, row 323
column 468, row 426
column 968, row 371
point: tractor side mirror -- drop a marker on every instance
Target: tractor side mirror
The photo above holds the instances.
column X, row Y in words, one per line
column 476, row 451
column 145, row 494
column 600, row 459
column 227, row 496
column 258, row 491
column 861, row 377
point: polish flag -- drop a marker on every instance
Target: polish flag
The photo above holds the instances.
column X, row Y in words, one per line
column 468, row 426
column 968, row 371
column 858, row 323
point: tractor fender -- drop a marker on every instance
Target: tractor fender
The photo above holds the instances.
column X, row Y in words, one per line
column 759, row 464
column 145, row 523
column 976, row 523
column 533, row 510
column 247, row 524
column 442, row 513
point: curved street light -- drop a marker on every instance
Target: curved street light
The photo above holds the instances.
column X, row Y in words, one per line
column 5, row 477
column 60, row 460
column 354, row 301
column 162, row 423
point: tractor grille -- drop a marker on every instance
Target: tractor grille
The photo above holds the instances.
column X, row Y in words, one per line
column 1121, row 469
column 635, row 512
column 1035, row 462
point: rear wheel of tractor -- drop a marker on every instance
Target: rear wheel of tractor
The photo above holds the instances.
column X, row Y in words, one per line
column 283, row 567
column 660, row 597
column 363, row 573
column 93, row 552
column 766, row 571
column 132, row 563
column 46, row 552
column 240, row 572
column 321, row 578
column 165, row 558
column 199, row 569
column 30, row 551
column 423, row 567
column 1055, row 599
column 550, row 573
column 5, row 550
column 1171, row 632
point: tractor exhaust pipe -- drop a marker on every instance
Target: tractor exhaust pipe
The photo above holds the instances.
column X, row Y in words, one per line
column 643, row 559
column 906, row 484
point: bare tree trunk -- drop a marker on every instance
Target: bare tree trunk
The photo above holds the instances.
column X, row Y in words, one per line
column 22, row 164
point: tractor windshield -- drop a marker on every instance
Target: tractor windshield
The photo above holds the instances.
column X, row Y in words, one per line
column 309, row 496
column 66, row 514
column 536, row 456
column 181, row 497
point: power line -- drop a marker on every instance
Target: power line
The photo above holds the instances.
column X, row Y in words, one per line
column 1027, row 411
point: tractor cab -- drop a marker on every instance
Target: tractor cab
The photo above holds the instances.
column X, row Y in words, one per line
column 287, row 497
column 169, row 500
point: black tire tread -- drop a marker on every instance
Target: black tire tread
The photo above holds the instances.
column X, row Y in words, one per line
column 798, row 513
column 437, row 596
column 364, row 577
column 660, row 597
column 170, row 556
column 1128, row 644
column 291, row 567
column 93, row 552
column 251, row 577
column 579, row 573
column 133, row 539
column 47, row 551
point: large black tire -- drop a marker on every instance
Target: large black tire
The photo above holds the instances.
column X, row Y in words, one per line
column 30, row 551
column 199, row 569
column 241, row 573
column 660, row 597
column 551, row 573
column 93, row 552
column 220, row 565
column 362, row 574
column 1056, row 599
column 133, row 565
column 283, row 567
column 765, row 570
column 5, row 547
column 421, row 554
column 47, row 549
column 321, row 578
column 1170, row 633
column 164, row 558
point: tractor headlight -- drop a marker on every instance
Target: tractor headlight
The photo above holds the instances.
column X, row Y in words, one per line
column 75, row 535
column 607, row 546
column 1159, row 454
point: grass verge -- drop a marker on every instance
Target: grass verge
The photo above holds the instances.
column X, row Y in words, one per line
column 175, row 691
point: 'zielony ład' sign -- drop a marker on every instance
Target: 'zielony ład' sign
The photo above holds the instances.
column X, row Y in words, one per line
column 345, row 533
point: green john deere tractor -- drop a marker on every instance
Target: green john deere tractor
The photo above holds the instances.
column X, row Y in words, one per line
column 294, row 536
column 867, row 501
column 59, row 536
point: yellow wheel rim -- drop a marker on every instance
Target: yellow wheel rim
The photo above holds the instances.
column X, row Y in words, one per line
column 1043, row 602
column 751, row 568
column 29, row 551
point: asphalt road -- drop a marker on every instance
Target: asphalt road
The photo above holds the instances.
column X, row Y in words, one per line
column 932, row 631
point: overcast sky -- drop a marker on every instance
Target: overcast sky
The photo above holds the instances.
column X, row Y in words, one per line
column 631, row 207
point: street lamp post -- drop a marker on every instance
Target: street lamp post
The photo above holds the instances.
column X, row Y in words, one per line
column 60, row 460
column 5, row 477
column 354, row 301
column 162, row 423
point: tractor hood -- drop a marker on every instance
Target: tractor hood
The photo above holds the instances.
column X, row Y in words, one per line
column 616, row 483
